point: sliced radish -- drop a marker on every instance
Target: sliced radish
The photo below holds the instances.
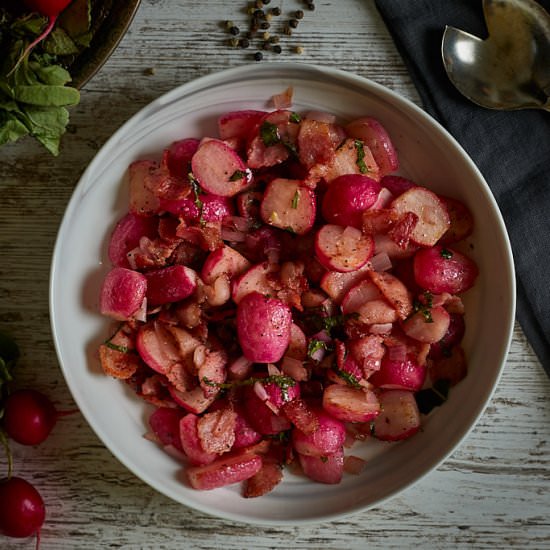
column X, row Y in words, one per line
column 323, row 469
column 223, row 261
column 347, row 197
column 336, row 284
column 399, row 417
column 361, row 293
column 350, row 404
column 375, row 136
column 219, row 169
column 190, row 442
column 170, row 284
column 193, row 401
column 224, row 471
column 165, row 423
column 127, row 234
column 289, row 205
column 123, row 293
column 428, row 326
column 342, row 249
column 394, row 291
column 433, row 219
column 397, row 373
column 179, row 155
column 256, row 279
column 327, row 439
column 239, row 124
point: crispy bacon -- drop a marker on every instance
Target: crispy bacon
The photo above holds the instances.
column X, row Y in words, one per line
column 216, row 430
column 261, row 483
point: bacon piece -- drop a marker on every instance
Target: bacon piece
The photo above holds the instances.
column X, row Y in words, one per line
column 400, row 233
column 301, row 415
column 315, row 145
column 216, row 430
column 118, row 364
column 264, row 481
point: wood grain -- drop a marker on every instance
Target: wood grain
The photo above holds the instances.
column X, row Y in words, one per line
column 493, row 492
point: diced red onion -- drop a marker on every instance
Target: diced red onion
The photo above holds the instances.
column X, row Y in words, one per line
column 397, row 353
column 294, row 368
column 141, row 313
column 259, row 390
column 272, row 370
column 284, row 99
column 380, row 328
column 381, row 262
column 240, row 368
column 383, row 200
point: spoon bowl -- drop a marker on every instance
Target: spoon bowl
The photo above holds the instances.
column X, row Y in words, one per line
column 508, row 70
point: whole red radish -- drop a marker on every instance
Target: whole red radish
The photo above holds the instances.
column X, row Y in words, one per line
column 22, row 510
column 29, row 417
column 50, row 9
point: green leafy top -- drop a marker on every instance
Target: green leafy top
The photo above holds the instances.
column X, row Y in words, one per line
column 34, row 90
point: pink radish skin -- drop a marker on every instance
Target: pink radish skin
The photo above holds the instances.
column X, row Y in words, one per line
column 397, row 185
column 399, row 375
column 214, row 208
column 337, row 284
column 224, row 471
column 358, row 295
column 342, row 249
column 433, row 219
column 262, row 418
column 452, row 337
column 394, row 291
column 375, row 136
column 127, row 234
column 239, row 124
column 170, row 284
column 190, row 442
column 288, row 205
column 179, row 155
column 245, row 434
column 440, row 269
column 165, row 423
column 347, row 197
column 399, row 417
column 263, row 328
column 327, row 440
column 219, row 169
column 122, row 293
column 193, row 401
column 350, row 404
column 327, row 469
column 151, row 351
column 223, row 261
column 428, row 331
column 253, row 280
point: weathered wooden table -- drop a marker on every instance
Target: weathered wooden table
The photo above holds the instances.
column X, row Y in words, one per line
column 494, row 491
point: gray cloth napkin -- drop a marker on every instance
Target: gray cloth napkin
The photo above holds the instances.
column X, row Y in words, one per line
column 512, row 149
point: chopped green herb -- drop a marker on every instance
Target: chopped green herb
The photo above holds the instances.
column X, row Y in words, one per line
column 295, row 199
column 349, row 378
column 269, row 134
column 295, row 117
column 446, row 253
column 196, row 191
column 316, row 345
column 360, row 148
column 237, row 175
column 284, row 382
column 116, row 347
column 424, row 306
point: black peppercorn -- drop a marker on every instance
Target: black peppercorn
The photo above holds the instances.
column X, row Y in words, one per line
column 277, row 48
column 244, row 43
column 293, row 23
column 265, row 25
column 299, row 14
column 276, row 11
column 310, row 6
column 234, row 30
column 258, row 56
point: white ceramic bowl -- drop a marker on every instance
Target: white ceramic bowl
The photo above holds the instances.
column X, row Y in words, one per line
column 428, row 154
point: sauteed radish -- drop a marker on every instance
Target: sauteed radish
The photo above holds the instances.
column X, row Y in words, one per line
column 312, row 306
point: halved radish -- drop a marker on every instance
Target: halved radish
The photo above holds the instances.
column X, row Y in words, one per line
column 127, row 234
column 342, row 249
column 439, row 269
column 239, row 124
column 364, row 291
column 427, row 326
column 451, row 367
column 433, row 218
column 152, row 351
column 123, row 293
column 397, row 185
column 336, row 284
column 223, row 261
column 375, row 136
column 405, row 374
column 263, row 327
column 347, row 197
column 165, row 423
column 323, row 469
column 256, row 279
column 190, row 442
column 224, row 471
column 179, row 155
column 193, row 401
column 394, row 291
column 219, row 169
column 170, row 284
column 377, row 312
column 262, row 418
column 399, row 416
column 326, row 440
column 212, row 207
column 350, row 404
column 289, row 205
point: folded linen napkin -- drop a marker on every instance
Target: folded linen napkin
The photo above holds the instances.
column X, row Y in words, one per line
column 512, row 149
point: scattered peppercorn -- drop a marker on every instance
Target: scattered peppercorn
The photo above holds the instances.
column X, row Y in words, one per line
column 266, row 45
column 259, row 14
column 229, row 24
column 288, row 30
column 258, row 56
column 233, row 42
column 299, row 49
column 274, row 39
column 259, row 4
column 234, row 30
column 293, row 23
column 266, row 35
column 275, row 11
column 265, row 25
column 277, row 48
column 244, row 42
column 310, row 6
column 299, row 14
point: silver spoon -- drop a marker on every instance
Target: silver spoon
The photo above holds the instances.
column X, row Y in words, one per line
column 511, row 68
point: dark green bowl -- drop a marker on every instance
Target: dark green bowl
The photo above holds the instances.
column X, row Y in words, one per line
column 112, row 20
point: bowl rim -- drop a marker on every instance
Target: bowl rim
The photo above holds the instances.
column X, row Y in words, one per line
column 288, row 71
